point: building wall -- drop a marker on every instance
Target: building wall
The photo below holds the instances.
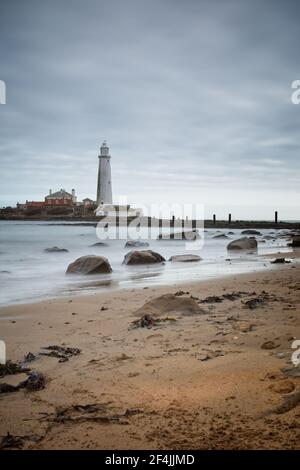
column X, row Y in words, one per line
column 35, row 204
column 58, row 202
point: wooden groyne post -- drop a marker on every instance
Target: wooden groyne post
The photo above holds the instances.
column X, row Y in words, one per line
column 276, row 217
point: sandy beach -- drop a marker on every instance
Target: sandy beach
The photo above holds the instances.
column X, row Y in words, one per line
column 189, row 381
column 149, row 232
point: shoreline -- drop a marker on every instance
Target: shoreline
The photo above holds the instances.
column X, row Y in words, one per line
column 29, row 274
column 116, row 287
column 198, row 381
column 294, row 256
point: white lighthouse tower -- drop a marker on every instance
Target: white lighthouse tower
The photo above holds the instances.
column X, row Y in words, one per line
column 104, row 192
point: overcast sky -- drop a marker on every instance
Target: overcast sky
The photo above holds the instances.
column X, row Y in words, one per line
column 193, row 97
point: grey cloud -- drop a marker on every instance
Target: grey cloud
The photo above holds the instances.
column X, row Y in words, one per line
column 193, row 97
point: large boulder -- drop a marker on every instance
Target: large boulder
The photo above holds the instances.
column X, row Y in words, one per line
column 143, row 257
column 185, row 258
column 244, row 243
column 89, row 264
column 250, row 232
column 135, row 244
column 170, row 304
column 296, row 241
column 189, row 235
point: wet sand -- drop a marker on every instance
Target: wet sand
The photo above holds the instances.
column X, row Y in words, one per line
column 191, row 382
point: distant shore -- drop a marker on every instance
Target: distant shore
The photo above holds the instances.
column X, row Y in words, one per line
column 207, row 223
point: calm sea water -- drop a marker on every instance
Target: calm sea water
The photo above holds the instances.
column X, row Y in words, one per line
column 28, row 273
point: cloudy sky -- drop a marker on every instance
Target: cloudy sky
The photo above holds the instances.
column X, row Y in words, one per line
column 193, row 96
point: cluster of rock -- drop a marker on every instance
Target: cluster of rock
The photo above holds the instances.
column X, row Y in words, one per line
column 91, row 264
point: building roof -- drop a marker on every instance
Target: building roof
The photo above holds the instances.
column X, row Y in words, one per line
column 87, row 199
column 62, row 194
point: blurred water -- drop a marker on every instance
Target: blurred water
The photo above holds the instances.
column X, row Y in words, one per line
column 28, row 273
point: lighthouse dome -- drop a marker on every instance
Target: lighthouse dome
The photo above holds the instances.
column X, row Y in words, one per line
column 104, row 149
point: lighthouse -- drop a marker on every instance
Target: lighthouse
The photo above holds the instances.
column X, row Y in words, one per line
column 104, row 192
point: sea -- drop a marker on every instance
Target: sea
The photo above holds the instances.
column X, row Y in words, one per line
column 28, row 273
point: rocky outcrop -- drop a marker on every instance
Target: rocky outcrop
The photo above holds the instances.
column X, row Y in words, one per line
column 244, row 243
column 170, row 304
column 143, row 257
column 55, row 249
column 185, row 258
column 89, row 265
column 135, row 244
column 189, row 235
column 250, row 232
